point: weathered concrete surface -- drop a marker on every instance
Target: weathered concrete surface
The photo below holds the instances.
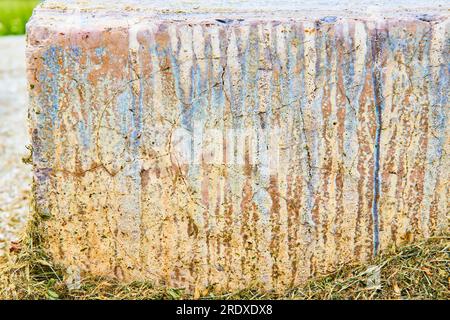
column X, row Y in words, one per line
column 15, row 176
column 320, row 136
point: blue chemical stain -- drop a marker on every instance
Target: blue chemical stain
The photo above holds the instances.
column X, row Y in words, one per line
column 378, row 101
column 100, row 52
column 425, row 17
column 328, row 19
column 123, row 105
column 75, row 53
column 51, row 78
column 84, row 135
column 225, row 21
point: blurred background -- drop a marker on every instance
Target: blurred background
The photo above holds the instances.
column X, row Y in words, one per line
column 15, row 176
column 14, row 14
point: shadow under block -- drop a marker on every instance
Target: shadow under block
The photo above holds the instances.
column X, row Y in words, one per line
column 256, row 143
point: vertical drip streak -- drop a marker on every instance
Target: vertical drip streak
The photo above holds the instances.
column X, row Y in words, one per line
column 376, row 80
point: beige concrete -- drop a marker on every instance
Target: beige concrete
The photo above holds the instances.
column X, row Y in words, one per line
column 236, row 145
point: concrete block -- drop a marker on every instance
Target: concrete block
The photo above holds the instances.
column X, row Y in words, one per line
column 236, row 143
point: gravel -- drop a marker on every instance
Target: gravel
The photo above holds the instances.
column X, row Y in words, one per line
column 15, row 176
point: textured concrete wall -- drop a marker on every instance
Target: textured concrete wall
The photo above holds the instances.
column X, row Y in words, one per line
column 225, row 146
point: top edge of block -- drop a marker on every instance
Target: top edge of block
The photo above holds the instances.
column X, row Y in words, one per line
column 86, row 13
column 180, row 7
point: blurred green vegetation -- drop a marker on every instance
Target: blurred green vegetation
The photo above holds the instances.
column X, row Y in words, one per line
column 14, row 14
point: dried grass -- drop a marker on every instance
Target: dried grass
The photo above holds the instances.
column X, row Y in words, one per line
column 417, row 271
